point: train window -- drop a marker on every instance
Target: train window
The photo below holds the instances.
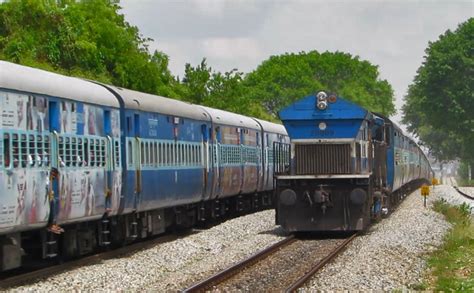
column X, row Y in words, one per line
column 86, row 158
column 67, row 148
column 149, row 152
column 159, row 158
column 74, row 152
column 153, row 154
column 178, row 153
column 91, row 153
column 185, row 154
column 38, row 151
column 80, row 153
column 61, row 152
column 117, row 153
column 23, row 150
column 1, row 151
column 96, row 153
column 145, row 154
column 142, row 152
column 31, row 150
column 169, row 153
column 103, row 153
column 130, row 153
column 6, row 150
column 46, row 151
column 173, row 154
column 96, row 149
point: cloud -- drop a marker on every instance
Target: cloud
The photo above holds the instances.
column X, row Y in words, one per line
column 231, row 48
column 242, row 33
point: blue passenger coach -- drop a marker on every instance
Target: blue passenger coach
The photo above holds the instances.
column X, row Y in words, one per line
column 86, row 165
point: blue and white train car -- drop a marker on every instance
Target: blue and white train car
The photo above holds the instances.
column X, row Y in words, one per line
column 56, row 132
column 84, row 164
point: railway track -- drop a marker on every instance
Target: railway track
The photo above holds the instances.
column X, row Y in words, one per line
column 284, row 266
column 32, row 276
column 463, row 193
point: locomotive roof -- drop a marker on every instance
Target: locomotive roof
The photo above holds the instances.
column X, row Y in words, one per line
column 37, row 81
column 152, row 103
column 272, row 127
column 232, row 119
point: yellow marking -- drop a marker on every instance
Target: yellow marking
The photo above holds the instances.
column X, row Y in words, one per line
column 425, row 190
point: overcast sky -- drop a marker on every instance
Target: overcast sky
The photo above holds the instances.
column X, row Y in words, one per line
column 242, row 33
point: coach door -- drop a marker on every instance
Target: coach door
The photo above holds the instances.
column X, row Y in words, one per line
column 53, row 192
column 207, row 162
column 139, row 155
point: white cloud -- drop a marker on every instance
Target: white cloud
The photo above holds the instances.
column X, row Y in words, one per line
column 242, row 33
column 231, row 48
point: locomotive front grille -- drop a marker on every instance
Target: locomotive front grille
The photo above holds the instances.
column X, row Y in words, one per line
column 315, row 159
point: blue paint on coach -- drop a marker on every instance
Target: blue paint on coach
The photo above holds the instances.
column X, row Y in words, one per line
column 343, row 119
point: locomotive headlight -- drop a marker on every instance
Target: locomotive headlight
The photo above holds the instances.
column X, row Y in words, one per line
column 322, row 126
column 322, row 96
column 288, row 197
column 322, row 105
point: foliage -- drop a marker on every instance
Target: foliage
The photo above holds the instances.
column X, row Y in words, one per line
column 201, row 85
column 91, row 39
column 87, row 38
column 439, row 106
column 463, row 173
column 453, row 264
column 283, row 79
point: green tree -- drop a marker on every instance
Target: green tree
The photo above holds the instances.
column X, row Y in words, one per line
column 439, row 106
column 87, row 38
column 204, row 86
column 282, row 79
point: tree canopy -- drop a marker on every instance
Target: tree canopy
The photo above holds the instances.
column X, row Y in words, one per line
column 439, row 106
column 283, row 79
column 87, row 38
column 91, row 39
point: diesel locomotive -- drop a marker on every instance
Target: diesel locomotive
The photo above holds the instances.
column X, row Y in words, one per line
column 347, row 166
column 86, row 165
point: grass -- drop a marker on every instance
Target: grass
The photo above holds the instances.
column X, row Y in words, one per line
column 452, row 265
column 465, row 182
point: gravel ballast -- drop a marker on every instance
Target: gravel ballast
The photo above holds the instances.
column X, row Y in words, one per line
column 449, row 194
column 391, row 254
column 174, row 265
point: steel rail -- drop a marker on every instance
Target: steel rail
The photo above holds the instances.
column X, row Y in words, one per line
column 463, row 193
column 29, row 277
column 234, row 269
column 301, row 281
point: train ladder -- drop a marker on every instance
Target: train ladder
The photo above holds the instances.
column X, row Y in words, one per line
column 51, row 245
column 105, row 232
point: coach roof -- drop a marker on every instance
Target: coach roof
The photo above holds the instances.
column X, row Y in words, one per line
column 232, row 119
column 152, row 103
column 37, row 81
column 272, row 127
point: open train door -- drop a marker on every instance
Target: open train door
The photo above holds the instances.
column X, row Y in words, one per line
column 208, row 162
